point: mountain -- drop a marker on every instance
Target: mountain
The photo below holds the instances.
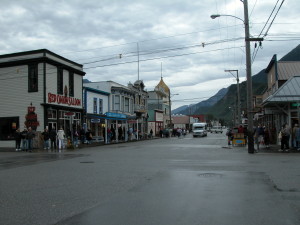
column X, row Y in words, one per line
column 86, row 81
column 178, row 110
column 293, row 55
column 201, row 107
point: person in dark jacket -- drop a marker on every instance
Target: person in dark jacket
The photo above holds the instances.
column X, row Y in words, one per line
column 18, row 139
column 46, row 136
column 30, row 136
column 52, row 136
column 24, row 139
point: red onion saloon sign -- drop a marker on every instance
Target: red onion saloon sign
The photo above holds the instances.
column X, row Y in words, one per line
column 64, row 100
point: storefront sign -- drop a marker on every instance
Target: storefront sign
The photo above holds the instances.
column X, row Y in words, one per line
column 95, row 120
column 31, row 118
column 60, row 99
column 115, row 115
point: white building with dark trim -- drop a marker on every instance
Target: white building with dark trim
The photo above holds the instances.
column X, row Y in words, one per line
column 39, row 88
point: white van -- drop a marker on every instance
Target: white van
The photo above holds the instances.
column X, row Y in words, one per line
column 199, row 129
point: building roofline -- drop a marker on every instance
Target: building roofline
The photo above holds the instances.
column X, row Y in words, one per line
column 44, row 51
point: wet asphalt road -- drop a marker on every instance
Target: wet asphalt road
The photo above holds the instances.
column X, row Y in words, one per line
column 167, row 181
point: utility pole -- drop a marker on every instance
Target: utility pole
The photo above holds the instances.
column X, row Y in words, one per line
column 238, row 93
column 249, row 80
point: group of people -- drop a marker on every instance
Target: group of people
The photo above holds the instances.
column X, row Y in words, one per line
column 52, row 139
column 261, row 136
column 24, row 139
column 284, row 136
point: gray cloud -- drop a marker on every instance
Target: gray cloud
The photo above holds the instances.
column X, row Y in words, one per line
column 90, row 30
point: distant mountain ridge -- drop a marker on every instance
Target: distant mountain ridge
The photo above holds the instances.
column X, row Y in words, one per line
column 192, row 109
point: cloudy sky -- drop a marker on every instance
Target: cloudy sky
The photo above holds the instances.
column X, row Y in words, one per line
column 173, row 38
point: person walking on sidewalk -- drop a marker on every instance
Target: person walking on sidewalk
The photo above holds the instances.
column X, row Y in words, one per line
column 18, row 140
column 60, row 138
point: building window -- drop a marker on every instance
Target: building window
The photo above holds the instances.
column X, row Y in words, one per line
column 60, row 82
column 117, row 102
column 52, row 114
column 33, row 78
column 71, row 84
column 126, row 104
column 95, row 105
column 122, row 103
column 100, row 106
column 8, row 127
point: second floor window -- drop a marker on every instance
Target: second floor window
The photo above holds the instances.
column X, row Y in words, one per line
column 100, row 106
column 33, row 78
column 126, row 105
column 60, row 83
column 117, row 102
column 95, row 105
column 71, row 84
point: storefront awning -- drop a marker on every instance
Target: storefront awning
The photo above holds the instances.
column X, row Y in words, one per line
column 288, row 92
column 104, row 117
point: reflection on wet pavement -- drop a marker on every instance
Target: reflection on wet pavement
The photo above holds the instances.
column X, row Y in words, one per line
column 31, row 159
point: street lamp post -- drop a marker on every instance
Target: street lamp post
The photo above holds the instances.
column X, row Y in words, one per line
column 238, row 93
column 249, row 76
column 170, row 114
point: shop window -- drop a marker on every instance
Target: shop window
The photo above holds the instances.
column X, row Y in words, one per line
column 77, row 116
column 100, row 106
column 95, row 105
column 52, row 114
column 33, row 78
column 60, row 82
column 71, row 84
column 8, row 127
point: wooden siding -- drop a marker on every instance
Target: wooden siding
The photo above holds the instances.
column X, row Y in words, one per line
column 15, row 98
column 90, row 102
column 51, row 83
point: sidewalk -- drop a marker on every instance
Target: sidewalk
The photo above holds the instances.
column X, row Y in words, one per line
column 271, row 149
column 94, row 144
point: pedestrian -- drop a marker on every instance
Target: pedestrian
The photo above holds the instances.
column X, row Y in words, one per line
column 294, row 141
column 297, row 138
column 108, row 135
column 267, row 137
column 18, row 140
column 120, row 137
column 258, row 136
column 229, row 135
column 60, row 137
column 53, row 138
column 30, row 136
column 285, row 137
column 46, row 137
column 75, row 136
column 151, row 133
column 89, row 136
column 24, row 139
column 82, row 136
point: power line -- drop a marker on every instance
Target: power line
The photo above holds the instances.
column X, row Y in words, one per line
column 143, row 60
